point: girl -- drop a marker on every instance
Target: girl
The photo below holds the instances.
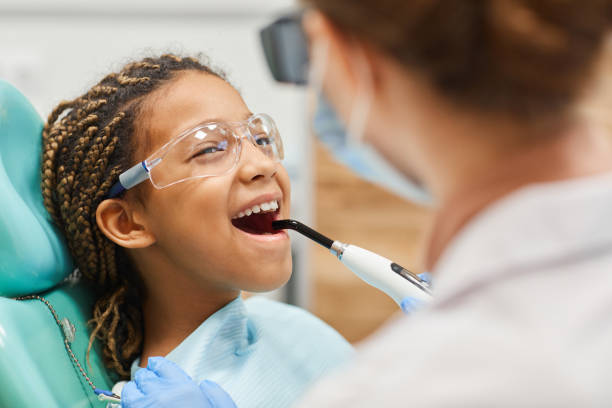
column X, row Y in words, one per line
column 169, row 256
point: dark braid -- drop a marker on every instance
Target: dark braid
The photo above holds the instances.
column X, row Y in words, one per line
column 87, row 143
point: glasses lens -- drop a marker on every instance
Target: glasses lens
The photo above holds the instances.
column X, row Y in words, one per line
column 208, row 150
column 266, row 136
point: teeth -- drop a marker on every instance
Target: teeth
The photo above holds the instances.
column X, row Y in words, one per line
column 256, row 209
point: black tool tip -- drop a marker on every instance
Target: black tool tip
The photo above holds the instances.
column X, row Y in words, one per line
column 304, row 230
column 285, row 224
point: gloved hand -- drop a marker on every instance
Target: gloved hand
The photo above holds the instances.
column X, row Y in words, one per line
column 164, row 384
column 410, row 304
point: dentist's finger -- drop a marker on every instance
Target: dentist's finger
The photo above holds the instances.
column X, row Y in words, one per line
column 130, row 395
column 147, row 381
column 167, row 369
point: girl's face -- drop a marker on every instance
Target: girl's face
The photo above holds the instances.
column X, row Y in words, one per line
column 193, row 223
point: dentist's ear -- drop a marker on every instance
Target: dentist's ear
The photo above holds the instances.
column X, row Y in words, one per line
column 122, row 224
column 319, row 29
column 324, row 35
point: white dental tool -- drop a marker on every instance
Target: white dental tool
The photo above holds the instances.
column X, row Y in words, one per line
column 382, row 273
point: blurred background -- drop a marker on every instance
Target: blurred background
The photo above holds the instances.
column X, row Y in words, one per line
column 56, row 50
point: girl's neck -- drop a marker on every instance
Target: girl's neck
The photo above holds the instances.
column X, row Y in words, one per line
column 172, row 313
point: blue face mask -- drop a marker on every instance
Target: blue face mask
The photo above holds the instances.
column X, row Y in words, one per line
column 362, row 158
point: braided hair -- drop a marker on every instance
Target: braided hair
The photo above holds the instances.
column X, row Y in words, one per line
column 87, row 143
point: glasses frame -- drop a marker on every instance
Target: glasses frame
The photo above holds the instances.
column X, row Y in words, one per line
column 142, row 170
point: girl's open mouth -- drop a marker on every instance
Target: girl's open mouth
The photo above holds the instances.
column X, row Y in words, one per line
column 258, row 219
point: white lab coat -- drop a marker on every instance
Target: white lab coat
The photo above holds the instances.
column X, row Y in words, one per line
column 522, row 315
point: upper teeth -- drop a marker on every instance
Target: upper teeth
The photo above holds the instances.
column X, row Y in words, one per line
column 256, row 209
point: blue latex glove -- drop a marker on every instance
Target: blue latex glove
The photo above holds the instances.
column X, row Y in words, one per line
column 164, row 384
column 410, row 304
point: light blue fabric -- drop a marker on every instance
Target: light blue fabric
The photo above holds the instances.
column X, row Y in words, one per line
column 362, row 158
column 263, row 353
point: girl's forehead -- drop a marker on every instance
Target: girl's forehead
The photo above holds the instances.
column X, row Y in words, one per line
column 190, row 99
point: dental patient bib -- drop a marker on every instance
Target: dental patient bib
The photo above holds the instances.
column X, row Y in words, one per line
column 263, row 353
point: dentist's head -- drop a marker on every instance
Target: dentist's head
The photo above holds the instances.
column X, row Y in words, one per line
column 456, row 94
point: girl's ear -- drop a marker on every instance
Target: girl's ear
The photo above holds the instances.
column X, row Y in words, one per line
column 120, row 223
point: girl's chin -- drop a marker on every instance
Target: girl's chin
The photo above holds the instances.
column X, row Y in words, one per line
column 268, row 283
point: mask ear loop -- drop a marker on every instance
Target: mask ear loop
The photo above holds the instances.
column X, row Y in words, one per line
column 360, row 110
column 316, row 73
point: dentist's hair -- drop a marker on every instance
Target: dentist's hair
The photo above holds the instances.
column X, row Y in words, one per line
column 522, row 57
column 87, row 143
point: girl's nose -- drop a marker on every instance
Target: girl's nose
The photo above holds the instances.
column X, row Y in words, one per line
column 255, row 164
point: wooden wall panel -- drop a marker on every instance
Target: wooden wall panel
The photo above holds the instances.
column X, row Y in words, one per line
column 354, row 211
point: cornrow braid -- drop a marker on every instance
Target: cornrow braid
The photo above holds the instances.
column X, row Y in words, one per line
column 87, row 143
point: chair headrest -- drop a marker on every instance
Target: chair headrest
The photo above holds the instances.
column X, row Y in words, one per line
column 33, row 256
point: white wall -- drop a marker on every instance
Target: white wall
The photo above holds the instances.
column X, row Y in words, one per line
column 234, row 7
column 53, row 50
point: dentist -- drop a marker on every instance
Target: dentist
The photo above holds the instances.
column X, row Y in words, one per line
column 477, row 103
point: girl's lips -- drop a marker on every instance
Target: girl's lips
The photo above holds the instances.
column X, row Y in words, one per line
column 280, row 236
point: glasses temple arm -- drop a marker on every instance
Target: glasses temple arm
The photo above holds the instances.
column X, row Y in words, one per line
column 129, row 178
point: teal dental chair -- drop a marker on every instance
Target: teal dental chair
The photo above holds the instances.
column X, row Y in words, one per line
column 36, row 369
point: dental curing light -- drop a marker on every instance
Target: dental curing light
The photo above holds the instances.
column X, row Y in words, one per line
column 394, row 280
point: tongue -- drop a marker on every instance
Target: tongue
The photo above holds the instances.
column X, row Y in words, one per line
column 256, row 223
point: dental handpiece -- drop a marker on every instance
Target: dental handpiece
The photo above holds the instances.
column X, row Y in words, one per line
column 394, row 280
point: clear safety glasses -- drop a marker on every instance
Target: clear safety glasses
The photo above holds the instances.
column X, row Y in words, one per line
column 208, row 150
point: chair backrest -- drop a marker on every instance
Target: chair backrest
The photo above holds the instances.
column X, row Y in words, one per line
column 32, row 254
column 36, row 369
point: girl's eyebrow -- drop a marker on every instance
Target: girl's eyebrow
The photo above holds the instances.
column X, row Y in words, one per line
column 214, row 120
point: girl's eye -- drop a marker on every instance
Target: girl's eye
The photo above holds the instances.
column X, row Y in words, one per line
column 208, row 150
column 265, row 140
column 220, row 147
